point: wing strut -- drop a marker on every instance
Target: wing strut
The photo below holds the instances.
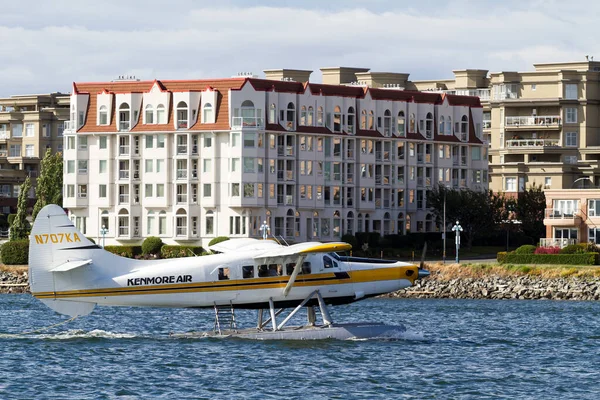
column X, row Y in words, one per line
column 297, row 269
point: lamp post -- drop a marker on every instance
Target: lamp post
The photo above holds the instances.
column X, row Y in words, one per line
column 103, row 231
column 457, row 229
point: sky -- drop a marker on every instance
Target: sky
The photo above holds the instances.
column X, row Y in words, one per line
column 47, row 45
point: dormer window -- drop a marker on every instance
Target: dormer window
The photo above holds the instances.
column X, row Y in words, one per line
column 182, row 115
column 103, row 116
column 387, row 123
column 371, row 120
column 207, row 113
column 320, row 116
column 429, row 125
column 303, row 116
column 149, row 114
column 351, row 118
column 411, row 123
column 442, row 125
column 272, row 114
column 311, row 116
column 291, row 115
column 248, row 113
column 401, row 122
column 363, row 119
column 337, row 119
column 161, row 115
column 124, row 117
column 464, row 123
column 449, row 126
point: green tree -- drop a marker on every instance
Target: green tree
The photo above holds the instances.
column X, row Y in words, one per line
column 530, row 207
column 50, row 182
column 20, row 227
column 478, row 212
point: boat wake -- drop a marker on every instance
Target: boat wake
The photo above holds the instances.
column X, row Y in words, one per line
column 73, row 334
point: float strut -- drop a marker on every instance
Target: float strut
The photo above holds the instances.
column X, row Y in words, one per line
column 324, row 313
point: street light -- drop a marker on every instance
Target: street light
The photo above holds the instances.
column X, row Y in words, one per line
column 457, row 229
column 103, row 231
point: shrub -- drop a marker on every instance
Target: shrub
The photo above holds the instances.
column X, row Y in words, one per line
column 15, row 252
column 218, row 239
column 501, row 257
column 572, row 249
column 124, row 251
column 525, row 249
column 152, row 245
column 547, row 250
column 168, row 251
column 11, row 218
column 350, row 239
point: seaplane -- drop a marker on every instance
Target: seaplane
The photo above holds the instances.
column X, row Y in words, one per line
column 71, row 275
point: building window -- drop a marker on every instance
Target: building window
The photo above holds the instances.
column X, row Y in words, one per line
column 161, row 115
column 464, row 125
column 235, row 190
column 248, row 190
column 103, row 116
column 149, row 114
column 248, row 164
column 571, row 139
column 429, row 125
column 70, row 190
column 82, row 166
column 102, row 191
column 70, row 166
column 103, row 142
column 160, row 141
column 124, row 117
column 510, row 184
column 148, row 190
column 548, row 183
column 17, row 130
column 29, row 148
column 411, row 123
column 149, row 141
column 150, row 224
column 83, row 142
column 571, row 91
column 82, row 191
column 182, row 115
column 337, row 119
column 101, row 166
column 272, row 114
column 207, row 113
column 533, row 87
column 210, row 222
column 302, row 115
column 291, row 116
column 160, row 190
column 571, row 115
column 29, row 130
column 320, row 116
column 442, row 125
column 162, row 223
column 235, row 139
column 207, row 190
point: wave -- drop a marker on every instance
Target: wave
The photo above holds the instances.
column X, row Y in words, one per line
column 73, row 334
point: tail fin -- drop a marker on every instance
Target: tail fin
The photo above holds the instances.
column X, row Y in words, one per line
column 56, row 248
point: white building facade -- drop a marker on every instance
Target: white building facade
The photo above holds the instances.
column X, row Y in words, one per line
column 188, row 161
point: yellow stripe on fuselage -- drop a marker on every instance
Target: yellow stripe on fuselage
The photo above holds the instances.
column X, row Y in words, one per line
column 356, row 276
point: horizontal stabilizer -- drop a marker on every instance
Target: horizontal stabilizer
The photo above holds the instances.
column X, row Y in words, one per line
column 70, row 265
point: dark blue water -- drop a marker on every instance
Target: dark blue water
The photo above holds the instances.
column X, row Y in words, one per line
column 453, row 349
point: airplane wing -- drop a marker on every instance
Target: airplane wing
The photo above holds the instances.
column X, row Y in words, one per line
column 301, row 250
column 70, row 265
column 233, row 245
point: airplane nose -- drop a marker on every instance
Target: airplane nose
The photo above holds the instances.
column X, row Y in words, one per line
column 423, row 273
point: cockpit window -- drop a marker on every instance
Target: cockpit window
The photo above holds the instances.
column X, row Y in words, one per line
column 327, row 262
column 223, row 273
column 305, row 267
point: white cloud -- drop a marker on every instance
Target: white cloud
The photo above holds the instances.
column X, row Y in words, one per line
column 47, row 45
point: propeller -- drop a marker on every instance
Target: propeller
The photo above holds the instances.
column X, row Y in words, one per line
column 423, row 273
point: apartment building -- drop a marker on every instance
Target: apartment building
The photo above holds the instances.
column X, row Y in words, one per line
column 190, row 160
column 29, row 124
column 541, row 125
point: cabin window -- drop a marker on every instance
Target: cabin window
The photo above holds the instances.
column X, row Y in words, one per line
column 306, row 267
column 275, row 270
column 263, row 271
column 289, row 268
column 248, row 271
column 223, row 274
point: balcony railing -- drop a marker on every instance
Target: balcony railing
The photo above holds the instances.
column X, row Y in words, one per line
column 247, row 122
column 483, row 94
column 124, row 125
column 68, row 126
column 123, row 198
column 181, row 173
column 123, row 231
column 533, row 143
column 541, row 121
column 182, row 198
column 124, row 174
column 123, row 150
column 289, row 200
column 4, row 135
column 182, row 149
column 553, row 213
column 289, row 175
column 556, row 242
column 181, row 231
column 182, row 124
column 487, row 124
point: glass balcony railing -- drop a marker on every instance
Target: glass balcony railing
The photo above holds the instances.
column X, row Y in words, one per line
column 532, row 143
column 539, row 120
column 247, row 122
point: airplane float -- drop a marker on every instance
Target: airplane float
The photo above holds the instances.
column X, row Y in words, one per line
column 72, row 275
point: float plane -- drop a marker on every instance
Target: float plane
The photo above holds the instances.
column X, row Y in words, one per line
column 72, row 275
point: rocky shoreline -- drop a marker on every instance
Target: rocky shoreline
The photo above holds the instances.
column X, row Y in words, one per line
column 439, row 286
column 496, row 287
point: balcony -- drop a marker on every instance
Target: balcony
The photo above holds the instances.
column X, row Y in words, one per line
column 558, row 217
column 182, row 174
column 181, row 231
column 289, row 200
column 487, row 124
column 483, row 94
column 538, row 121
column 556, row 242
column 536, row 143
column 124, row 126
column 4, row 135
column 182, row 198
column 123, row 174
column 123, row 150
column 182, row 124
column 247, row 123
column 68, row 126
column 181, row 149
column 123, row 198
column 123, row 231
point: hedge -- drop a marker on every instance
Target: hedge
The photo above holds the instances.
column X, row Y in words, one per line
column 170, row 251
column 218, row 239
column 561, row 259
column 124, row 251
column 15, row 252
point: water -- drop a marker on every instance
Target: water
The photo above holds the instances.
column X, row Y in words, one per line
column 453, row 349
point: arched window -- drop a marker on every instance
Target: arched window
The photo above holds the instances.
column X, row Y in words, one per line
column 124, row 117
column 123, row 222
column 363, row 119
column 162, row 223
column 337, row 224
column 359, row 223
column 289, row 223
column 149, row 114
column 464, row 123
column 350, row 223
column 103, row 116
column 411, row 123
column 442, row 125
column 371, row 120
column 387, row 223
column 210, row 222
column 400, row 223
column 181, row 223
column 303, row 115
column 449, row 126
column 311, row 116
column 401, row 124
column 351, row 121
column 429, row 125
column 182, row 115
column 387, row 123
column 161, row 115
column 337, row 119
column 104, row 221
column 207, row 114
column 150, row 225
column 320, row 116
column 248, row 113
column 291, row 116
column 272, row 113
